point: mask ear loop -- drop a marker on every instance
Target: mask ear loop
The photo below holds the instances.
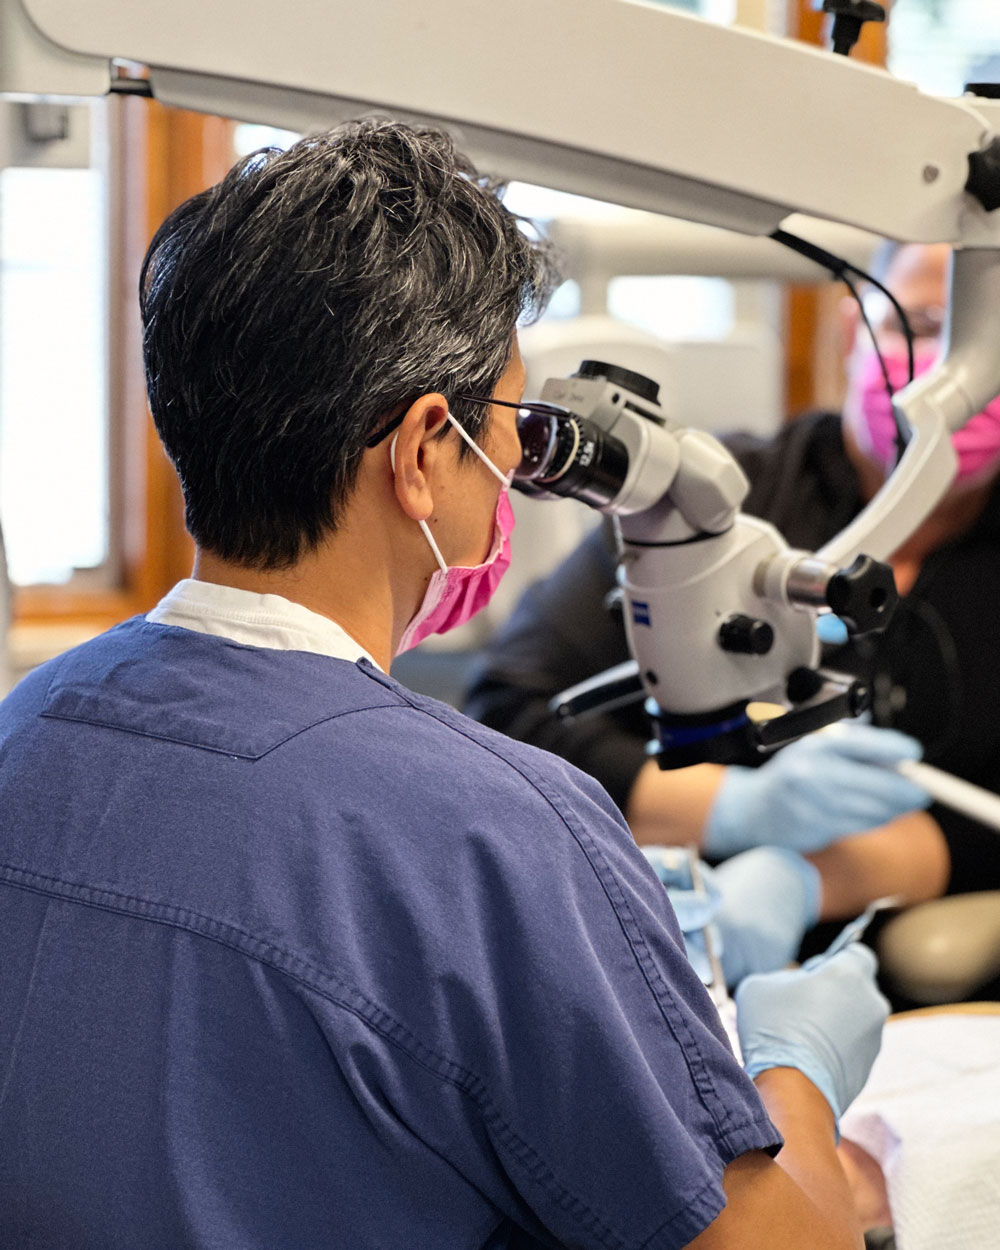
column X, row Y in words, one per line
column 504, row 480
column 423, row 524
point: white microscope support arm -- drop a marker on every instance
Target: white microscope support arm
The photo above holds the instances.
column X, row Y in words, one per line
column 620, row 100
column 940, row 401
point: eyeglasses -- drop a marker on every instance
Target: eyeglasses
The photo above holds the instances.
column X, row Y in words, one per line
column 528, row 415
column 925, row 322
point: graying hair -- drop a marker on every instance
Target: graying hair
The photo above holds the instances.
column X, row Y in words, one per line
column 288, row 309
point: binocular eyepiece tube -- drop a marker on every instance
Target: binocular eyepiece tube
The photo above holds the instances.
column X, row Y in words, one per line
column 568, row 454
column 563, row 454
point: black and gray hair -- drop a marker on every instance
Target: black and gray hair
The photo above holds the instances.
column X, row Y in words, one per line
column 288, row 309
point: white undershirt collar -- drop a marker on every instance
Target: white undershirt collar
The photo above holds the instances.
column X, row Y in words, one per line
column 254, row 620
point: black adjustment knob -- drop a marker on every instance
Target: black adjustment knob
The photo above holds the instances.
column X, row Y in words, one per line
column 637, row 383
column 745, row 635
column 803, row 684
column 984, row 175
column 864, row 596
column 848, row 18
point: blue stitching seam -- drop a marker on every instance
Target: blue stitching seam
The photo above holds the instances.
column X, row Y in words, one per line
column 201, row 746
column 740, row 1140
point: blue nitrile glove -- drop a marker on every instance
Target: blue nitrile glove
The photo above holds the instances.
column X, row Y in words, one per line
column 768, row 898
column 694, row 909
column 821, row 788
column 825, row 1019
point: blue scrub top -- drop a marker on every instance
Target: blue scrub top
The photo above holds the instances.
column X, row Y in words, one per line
column 295, row 958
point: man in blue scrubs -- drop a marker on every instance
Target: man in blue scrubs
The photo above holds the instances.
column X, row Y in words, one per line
column 291, row 956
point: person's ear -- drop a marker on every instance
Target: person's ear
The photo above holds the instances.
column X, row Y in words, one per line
column 417, row 452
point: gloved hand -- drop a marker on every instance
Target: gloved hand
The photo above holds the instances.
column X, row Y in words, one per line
column 758, row 906
column 825, row 1019
column 768, row 898
column 821, row 788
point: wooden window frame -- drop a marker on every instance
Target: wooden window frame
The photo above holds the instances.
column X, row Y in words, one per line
column 161, row 157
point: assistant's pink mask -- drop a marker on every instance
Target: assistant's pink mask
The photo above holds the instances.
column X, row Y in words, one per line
column 977, row 443
column 455, row 594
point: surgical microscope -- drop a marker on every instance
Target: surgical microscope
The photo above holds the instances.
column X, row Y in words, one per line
column 700, row 578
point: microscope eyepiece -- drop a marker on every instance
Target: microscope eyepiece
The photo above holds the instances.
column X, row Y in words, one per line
column 566, row 454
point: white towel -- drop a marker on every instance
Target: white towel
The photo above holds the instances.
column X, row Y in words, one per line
column 930, row 1114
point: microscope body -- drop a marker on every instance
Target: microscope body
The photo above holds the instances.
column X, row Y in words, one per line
column 720, row 613
column 697, row 599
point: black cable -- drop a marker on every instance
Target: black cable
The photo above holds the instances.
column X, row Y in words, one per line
column 901, row 436
column 840, row 269
column 904, row 321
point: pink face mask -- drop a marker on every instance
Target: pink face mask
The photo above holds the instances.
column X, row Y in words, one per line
column 454, row 595
column 977, row 443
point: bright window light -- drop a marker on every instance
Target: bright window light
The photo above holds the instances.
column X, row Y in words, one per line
column 942, row 44
column 565, row 301
column 53, row 372
column 543, row 204
column 675, row 308
column 248, row 137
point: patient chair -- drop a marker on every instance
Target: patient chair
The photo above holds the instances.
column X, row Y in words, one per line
column 944, row 951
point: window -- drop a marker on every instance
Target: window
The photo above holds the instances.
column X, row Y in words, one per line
column 674, row 307
column 54, row 426
column 92, row 510
column 53, row 377
column 942, row 44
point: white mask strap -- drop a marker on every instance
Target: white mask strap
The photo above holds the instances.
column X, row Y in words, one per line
column 504, row 480
column 433, row 545
column 423, row 524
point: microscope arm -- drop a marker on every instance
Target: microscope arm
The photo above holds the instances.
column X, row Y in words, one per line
column 641, row 106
